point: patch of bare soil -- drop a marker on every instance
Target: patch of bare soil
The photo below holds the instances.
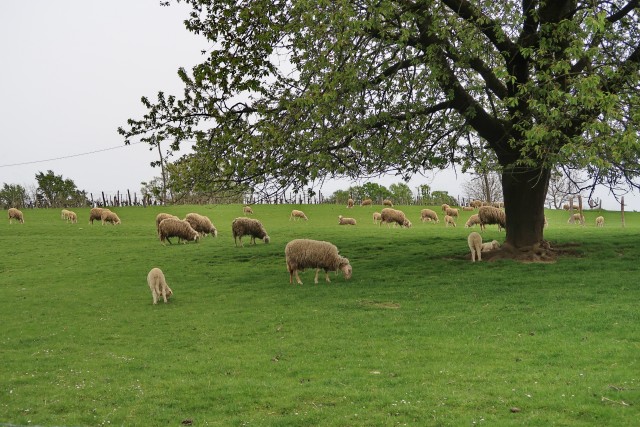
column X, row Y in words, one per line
column 543, row 252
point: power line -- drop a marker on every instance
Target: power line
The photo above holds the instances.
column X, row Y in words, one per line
column 70, row 156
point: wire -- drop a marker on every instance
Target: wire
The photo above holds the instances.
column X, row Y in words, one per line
column 70, row 156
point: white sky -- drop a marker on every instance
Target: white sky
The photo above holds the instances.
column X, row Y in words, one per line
column 74, row 70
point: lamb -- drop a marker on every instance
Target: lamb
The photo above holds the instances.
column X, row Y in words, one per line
column 174, row 227
column 108, row 216
column 306, row 253
column 64, row 214
column 201, row 224
column 247, row 210
column 473, row 220
column 390, row 215
column 448, row 220
column 452, row 212
column 346, row 221
column 72, row 217
column 15, row 214
column 475, row 245
column 296, row 214
column 96, row 213
column 377, row 217
column 600, row 221
column 350, row 203
column 490, row 246
column 490, row 215
column 429, row 215
column 162, row 216
column 158, row 285
column 366, row 202
column 387, row 202
column 576, row 218
column 251, row 227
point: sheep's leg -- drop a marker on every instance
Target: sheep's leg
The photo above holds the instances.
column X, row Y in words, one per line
column 155, row 296
column 164, row 294
column 473, row 255
column 479, row 254
column 298, row 277
column 326, row 276
column 316, row 278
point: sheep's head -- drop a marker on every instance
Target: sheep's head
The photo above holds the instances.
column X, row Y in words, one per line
column 346, row 268
column 266, row 238
column 169, row 292
column 406, row 223
column 495, row 244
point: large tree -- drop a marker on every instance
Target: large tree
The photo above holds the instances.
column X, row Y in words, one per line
column 298, row 90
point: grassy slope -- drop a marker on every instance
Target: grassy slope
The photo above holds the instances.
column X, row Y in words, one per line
column 418, row 336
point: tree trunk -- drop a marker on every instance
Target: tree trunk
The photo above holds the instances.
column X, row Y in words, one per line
column 524, row 193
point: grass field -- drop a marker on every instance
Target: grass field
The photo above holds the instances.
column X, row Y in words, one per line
column 419, row 335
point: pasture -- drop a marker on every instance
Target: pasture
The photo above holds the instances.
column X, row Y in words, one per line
column 418, row 336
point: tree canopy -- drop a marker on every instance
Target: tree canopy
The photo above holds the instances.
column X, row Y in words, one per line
column 299, row 90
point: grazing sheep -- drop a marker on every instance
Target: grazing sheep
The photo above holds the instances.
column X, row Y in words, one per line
column 490, row 215
column 306, row 253
column 600, row 221
column 248, row 227
column 475, row 203
column 473, row 220
column 467, row 208
column 366, row 202
column 15, row 214
column 158, row 285
column 576, row 218
column 346, row 221
column 452, row 212
column 475, row 245
column 445, row 207
column 162, row 216
column 350, row 203
column 448, row 220
column 96, row 213
column 247, row 210
column 174, row 227
column 429, row 215
column 64, row 214
column 296, row 215
column 108, row 216
column 390, row 215
column 377, row 217
column 72, row 217
column 201, row 224
column 490, row 246
column 387, row 202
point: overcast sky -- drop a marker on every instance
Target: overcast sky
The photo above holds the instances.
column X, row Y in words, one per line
column 74, row 70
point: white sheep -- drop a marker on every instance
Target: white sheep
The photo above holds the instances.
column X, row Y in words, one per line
column 452, row 212
column 108, row 216
column 96, row 213
column 366, row 202
column 64, row 214
column 473, row 220
column 490, row 246
column 395, row 216
column 306, row 253
column 387, row 202
column 490, row 215
column 160, row 217
column 576, row 218
column 72, row 217
column 248, row 227
column 377, row 217
column 174, row 227
column 247, row 210
column 296, row 215
column 429, row 215
column 17, row 215
column 201, row 224
column 475, row 245
column 600, row 221
column 346, row 221
column 158, row 285
column 350, row 203
column 448, row 220
column 444, row 208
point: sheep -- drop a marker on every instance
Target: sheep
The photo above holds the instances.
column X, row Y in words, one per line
column 452, row 212
column 350, row 203
column 72, row 217
column 600, row 221
column 96, row 213
column 448, row 220
column 251, row 227
column 162, row 216
column 201, row 224
column 64, row 214
column 377, row 217
column 247, row 210
column 296, row 214
column 429, row 215
column 387, row 202
column 175, row 227
column 15, row 214
column 576, row 218
column 366, row 202
column 346, row 221
column 306, row 253
column 108, row 216
column 490, row 215
column 475, row 203
column 158, row 285
column 390, row 215
column 475, row 245
column 445, row 207
column 490, row 246
column 473, row 220
column 467, row 208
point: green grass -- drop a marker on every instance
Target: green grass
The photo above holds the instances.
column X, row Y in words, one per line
column 418, row 336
